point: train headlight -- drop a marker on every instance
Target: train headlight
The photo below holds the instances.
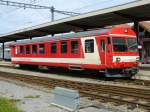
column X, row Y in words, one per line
column 118, row 59
column 126, row 30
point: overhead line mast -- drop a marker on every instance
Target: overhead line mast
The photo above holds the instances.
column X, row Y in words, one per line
column 25, row 5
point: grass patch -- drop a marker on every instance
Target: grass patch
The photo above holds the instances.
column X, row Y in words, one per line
column 8, row 105
column 15, row 100
column 30, row 96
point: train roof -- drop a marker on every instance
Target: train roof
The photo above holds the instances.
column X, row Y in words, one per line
column 65, row 36
column 72, row 35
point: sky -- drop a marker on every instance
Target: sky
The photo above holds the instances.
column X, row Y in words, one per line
column 13, row 18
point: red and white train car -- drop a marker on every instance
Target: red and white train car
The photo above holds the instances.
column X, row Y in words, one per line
column 112, row 51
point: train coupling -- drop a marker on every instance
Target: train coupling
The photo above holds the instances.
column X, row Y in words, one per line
column 131, row 71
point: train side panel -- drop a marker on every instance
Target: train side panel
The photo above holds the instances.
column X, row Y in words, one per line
column 83, row 59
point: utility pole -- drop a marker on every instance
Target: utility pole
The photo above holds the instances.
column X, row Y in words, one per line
column 52, row 13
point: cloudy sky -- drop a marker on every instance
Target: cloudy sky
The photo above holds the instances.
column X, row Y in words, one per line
column 13, row 18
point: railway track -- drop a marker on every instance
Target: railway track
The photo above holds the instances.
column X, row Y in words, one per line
column 95, row 77
column 135, row 97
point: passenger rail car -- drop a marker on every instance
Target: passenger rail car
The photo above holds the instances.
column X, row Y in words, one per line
column 111, row 51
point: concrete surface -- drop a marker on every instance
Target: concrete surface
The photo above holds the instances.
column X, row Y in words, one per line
column 93, row 109
column 6, row 63
column 33, row 100
column 30, row 100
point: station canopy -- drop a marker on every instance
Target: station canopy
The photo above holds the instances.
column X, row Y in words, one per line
column 138, row 10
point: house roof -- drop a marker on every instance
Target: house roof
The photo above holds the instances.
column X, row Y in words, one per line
column 145, row 25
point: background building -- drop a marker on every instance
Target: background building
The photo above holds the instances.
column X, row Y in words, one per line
column 144, row 33
column 7, row 53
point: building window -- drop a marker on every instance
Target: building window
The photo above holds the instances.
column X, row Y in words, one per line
column 41, row 48
column 27, row 49
column 102, row 45
column 21, row 50
column 89, row 46
column 34, row 49
column 53, row 47
column 64, row 47
column 74, row 46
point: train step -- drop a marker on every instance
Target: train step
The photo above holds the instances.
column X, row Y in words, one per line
column 75, row 67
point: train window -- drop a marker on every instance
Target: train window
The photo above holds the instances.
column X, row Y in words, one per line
column 89, row 46
column 53, row 47
column 119, row 44
column 132, row 45
column 74, row 46
column 41, row 48
column 108, row 40
column 102, row 45
column 34, row 49
column 27, row 49
column 21, row 50
column 64, row 47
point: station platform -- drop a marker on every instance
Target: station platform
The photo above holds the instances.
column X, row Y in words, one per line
column 5, row 63
column 144, row 66
column 144, row 72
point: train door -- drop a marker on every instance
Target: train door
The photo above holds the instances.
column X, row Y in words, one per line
column 90, row 50
column 102, row 50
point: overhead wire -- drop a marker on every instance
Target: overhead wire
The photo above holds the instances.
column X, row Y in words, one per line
column 39, row 13
column 7, row 13
column 91, row 5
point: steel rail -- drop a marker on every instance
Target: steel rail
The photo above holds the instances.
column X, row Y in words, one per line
column 116, row 94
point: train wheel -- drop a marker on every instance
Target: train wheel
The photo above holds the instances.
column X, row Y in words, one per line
column 22, row 66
